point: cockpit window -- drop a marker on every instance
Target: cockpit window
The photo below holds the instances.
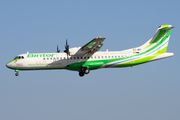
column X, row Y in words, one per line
column 19, row 57
column 16, row 57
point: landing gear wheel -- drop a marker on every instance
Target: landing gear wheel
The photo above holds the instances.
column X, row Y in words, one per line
column 83, row 70
column 87, row 71
column 17, row 74
column 81, row 74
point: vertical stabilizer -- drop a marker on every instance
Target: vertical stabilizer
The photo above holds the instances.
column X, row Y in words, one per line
column 160, row 40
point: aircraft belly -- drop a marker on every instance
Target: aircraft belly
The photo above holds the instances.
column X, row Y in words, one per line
column 91, row 65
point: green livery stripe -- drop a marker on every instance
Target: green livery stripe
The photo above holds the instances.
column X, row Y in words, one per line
column 165, row 26
column 142, row 60
column 163, row 39
column 161, row 33
column 90, row 64
column 13, row 60
column 151, row 49
column 148, row 58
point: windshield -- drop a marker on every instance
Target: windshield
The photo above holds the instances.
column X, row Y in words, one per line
column 19, row 57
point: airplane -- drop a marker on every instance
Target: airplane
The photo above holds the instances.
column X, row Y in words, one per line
column 88, row 57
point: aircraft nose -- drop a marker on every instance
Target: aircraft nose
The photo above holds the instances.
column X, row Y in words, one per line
column 7, row 65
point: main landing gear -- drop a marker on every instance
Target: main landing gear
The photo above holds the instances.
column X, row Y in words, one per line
column 84, row 70
column 17, row 72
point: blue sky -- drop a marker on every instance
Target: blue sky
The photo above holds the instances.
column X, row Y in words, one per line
column 148, row 91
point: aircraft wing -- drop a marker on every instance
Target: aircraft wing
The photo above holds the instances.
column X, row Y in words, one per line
column 94, row 45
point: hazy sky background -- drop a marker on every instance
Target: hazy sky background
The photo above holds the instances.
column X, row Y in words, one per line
column 146, row 92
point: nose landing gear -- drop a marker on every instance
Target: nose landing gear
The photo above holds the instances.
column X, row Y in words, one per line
column 17, row 72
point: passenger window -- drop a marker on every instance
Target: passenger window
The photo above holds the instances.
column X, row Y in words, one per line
column 47, row 58
column 91, row 57
column 77, row 57
column 43, row 58
column 88, row 57
column 74, row 57
column 84, row 57
column 51, row 58
column 102, row 57
column 112, row 56
column 94, row 57
column 98, row 56
column 105, row 56
column 109, row 57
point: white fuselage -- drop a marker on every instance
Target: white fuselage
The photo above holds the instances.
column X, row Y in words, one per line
column 60, row 60
column 35, row 61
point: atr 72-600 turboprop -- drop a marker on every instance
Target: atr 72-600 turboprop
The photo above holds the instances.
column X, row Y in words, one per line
column 87, row 58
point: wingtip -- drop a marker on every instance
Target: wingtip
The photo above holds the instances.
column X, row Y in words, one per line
column 99, row 38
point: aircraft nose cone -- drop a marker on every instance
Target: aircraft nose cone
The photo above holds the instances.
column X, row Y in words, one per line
column 7, row 65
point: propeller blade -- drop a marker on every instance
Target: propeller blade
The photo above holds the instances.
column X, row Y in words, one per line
column 58, row 49
column 67, row 48
column 66, row 42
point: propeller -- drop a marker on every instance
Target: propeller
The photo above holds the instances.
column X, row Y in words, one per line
column 67, row 48
column 58, row 49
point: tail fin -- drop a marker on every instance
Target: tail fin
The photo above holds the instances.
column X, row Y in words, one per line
column 160, row 40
